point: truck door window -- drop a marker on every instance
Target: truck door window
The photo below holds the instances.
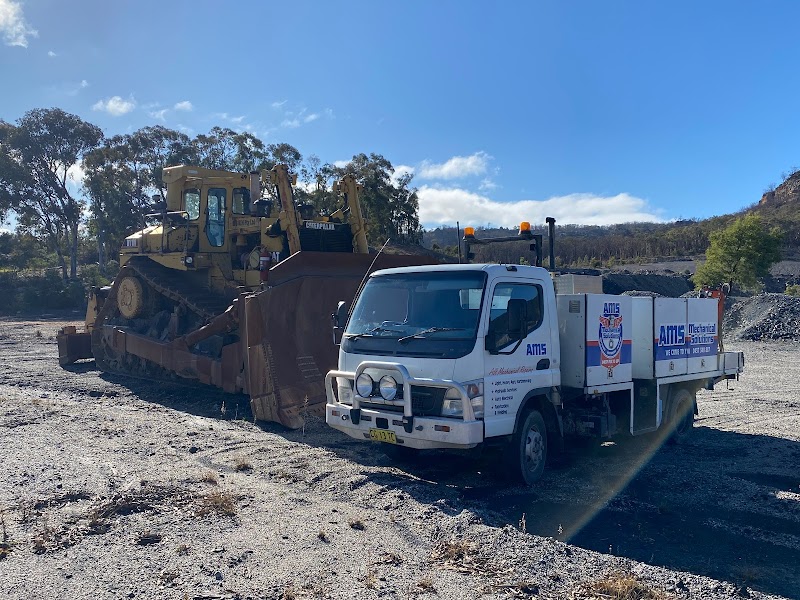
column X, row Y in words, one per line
column 191, row 203
column 498, row 315
column 241, row 201
column 215, row 225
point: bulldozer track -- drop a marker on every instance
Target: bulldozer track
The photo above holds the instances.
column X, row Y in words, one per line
column 178, row 289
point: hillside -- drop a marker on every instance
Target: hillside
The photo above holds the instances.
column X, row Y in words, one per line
column 606, row 246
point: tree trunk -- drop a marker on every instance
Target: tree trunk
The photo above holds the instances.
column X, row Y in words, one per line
column 73, row 252
column 62, row 263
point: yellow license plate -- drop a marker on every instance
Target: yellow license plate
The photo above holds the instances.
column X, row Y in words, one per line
column 382, row 435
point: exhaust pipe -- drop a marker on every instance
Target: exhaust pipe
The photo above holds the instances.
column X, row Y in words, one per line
column 551, row 238
column 255, row 191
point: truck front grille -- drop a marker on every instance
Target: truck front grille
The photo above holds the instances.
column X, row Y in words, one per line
column 425, row 402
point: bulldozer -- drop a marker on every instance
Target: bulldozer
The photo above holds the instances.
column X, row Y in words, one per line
column 233, row 285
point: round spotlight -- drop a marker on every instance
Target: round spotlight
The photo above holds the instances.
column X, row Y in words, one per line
column 388, row 387
column 364, row 385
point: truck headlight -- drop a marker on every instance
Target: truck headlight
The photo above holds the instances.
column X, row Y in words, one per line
column 451, row 405
column 364, row 385
column 388, row 387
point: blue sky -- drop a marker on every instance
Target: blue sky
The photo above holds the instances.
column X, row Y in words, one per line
column 594, row 112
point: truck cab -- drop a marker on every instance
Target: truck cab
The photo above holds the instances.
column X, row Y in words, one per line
column 447, row 356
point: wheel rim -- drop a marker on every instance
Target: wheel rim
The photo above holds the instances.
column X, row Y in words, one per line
column 534, row 449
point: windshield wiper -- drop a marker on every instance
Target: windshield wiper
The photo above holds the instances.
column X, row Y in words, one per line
column 425, row 332
column 374, row 330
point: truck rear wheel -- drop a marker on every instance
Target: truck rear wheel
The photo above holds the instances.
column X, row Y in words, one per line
column 527, row 451
column 681, row 418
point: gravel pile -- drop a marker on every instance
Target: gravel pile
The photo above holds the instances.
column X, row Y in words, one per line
column 662, row 284
column 764, row 317
column 642, row 293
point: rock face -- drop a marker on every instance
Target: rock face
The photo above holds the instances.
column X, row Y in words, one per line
column 788, row 191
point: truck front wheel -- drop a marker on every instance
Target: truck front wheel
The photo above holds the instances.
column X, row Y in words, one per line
column 527, row 451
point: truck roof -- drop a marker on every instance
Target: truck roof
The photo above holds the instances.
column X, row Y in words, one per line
column 490, row 269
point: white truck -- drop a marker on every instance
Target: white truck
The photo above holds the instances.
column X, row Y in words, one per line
column 454, row 356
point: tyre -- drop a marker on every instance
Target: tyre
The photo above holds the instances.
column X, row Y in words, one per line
column 527, row 451
column 681, row 417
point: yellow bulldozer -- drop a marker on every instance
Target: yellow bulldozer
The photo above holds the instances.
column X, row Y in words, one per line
column 233, row 287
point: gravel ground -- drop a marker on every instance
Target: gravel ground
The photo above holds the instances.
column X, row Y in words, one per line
column 119, row 488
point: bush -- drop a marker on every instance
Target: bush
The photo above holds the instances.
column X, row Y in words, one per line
column 793, row 290
column 23, row 292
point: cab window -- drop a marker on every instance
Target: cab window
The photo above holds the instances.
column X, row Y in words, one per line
column 498, row 315
column 191, row 203
column 215, row 224
column 241, row 201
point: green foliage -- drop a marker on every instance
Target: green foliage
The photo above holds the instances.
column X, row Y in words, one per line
column 36, row 157
column 793, row 290
column 740, row 254
column 26, row 292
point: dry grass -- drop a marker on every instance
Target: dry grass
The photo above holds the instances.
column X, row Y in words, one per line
column 39, row 333
column 322, row 535
column 182, row 550
column 285, row 475
column 168, row 577
column 371, row 579
column 357, row 524
column 465, row 557
column 45, row 539
column 389, row 558
column 425, row 586
column 217, row 502
column 241, row 464
column 618, row 586
column 209, row 477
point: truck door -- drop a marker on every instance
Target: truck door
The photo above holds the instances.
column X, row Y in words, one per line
column 516, row 362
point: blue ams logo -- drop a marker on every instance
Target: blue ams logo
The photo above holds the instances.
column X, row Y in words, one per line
column 537, row 350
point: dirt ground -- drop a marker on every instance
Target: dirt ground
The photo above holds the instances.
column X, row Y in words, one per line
column 121, row 488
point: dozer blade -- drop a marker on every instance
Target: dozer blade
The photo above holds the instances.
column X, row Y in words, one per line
column 287, row 330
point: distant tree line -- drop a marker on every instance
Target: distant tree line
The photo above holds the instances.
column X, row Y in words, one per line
column 68, row 184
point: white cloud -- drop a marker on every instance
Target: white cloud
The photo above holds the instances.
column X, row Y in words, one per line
column 159, row 115
column 75, row 175
column 456, row 167
column 290, row 123
column 13, row 26
column 445, row 206
column 51, row 54
column 278, row 104
column 185, row 129
column 84, row 83
column 183, row 105
column 311, row 117
column 115, row 106
column 487, row 185
column 399, row 171
column 341, row 164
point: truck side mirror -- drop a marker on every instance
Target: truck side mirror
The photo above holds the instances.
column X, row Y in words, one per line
column 512, row 330
column 517, row 315
column 339, row 320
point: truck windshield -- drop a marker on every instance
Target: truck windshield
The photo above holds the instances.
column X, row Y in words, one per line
column 435, row 305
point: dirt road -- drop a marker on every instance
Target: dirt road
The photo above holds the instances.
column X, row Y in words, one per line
column 120, row 488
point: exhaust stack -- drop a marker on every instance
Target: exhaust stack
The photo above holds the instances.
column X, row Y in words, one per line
column 551, row 238
column 255, row 191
